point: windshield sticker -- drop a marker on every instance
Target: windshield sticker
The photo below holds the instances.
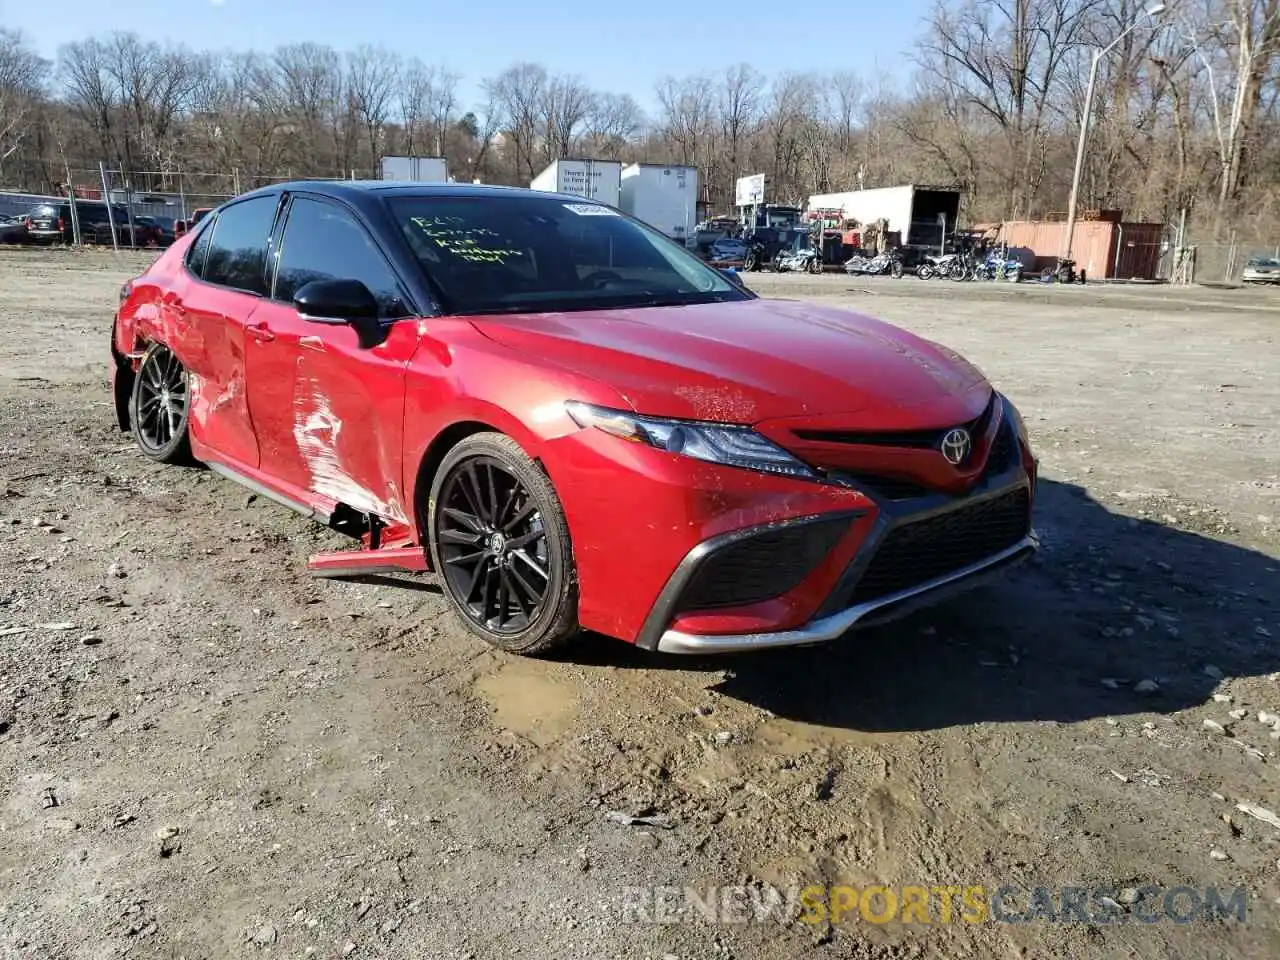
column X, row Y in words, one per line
column 591, row 210
column 476, row 244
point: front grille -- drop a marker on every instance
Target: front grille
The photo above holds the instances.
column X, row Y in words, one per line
column 884, row 487
column 762, row 566
column 924, row 549
column 918, row 439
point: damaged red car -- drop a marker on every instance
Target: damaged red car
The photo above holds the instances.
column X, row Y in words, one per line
column 570, row 419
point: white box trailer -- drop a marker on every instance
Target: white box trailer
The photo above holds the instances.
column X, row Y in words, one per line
column 915, row 213
column 416, row 169
column 665, row 197
column 594, row 179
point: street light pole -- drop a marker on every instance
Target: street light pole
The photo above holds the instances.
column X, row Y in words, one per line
column 1153, row 11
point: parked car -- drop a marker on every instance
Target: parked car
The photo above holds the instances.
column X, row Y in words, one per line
column 125, row 232
column 198, row 214
column 162, row 229
column 1261, row 270
column 570, row 418
column 728, row 250
column 13, row 230
column 51, row 222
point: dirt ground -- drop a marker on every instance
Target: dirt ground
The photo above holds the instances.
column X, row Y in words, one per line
column 205, row 753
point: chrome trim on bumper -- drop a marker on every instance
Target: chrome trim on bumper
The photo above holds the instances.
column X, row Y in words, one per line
column 863, row 614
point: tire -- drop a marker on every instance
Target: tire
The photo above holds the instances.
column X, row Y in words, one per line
column 160, row 407
column 488, row 492
column 896, row 269
column 751, row 263
column 924, row 271
column 815, row 266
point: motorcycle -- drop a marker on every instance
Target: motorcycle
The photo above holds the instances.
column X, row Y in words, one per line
column 999, row 267
column 1064, row 272
column 808, row 260
column 890, row 263
column 937, row 266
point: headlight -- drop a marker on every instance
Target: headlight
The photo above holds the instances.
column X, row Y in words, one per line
column 733, row 446
column 1012, row 413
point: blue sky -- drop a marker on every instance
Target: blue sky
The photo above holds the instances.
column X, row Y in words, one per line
column 624, row 47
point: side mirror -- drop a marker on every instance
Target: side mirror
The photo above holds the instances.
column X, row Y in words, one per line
column 335, row 301
column 341, row 302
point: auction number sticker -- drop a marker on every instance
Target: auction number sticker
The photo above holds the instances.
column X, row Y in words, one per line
column 591, row 210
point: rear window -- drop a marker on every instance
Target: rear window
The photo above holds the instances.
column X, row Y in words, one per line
column 43, row 210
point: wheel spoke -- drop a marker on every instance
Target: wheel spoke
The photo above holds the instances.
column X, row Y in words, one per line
column 469, row 519
column 465, row 538
column 482, row 509
column 519, row 543
column 465, row 558
column 476, row 574
column 473, row 504
column 534, row 594
column 512, row 579
column 493, row 495
column 528, row 510
column 507, row 504
column 533, row 564
column 486, row 595
column 502, row 596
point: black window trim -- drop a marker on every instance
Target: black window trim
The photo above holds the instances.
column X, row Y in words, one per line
column 209, row 221
column 277, row 248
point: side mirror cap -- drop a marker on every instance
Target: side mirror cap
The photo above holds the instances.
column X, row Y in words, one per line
column 336, row 301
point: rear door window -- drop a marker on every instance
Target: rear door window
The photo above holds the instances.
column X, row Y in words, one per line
column 238, row 245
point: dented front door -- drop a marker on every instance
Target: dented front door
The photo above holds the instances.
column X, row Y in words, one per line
column 329, row 412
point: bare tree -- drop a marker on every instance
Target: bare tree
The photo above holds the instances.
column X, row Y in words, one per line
column 688, row 112
column 372, row 78
column 22, row 75
column 520, row 91
column 565, row 105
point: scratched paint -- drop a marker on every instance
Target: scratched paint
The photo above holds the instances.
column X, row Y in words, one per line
column 317, row 431
column 722, row 404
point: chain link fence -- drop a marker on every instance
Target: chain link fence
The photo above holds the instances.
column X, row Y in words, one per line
column 1225, row 262
column 166, row 198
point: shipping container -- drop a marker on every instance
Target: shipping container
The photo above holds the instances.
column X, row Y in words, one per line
column 666, row 198
column 918, row 215
column 593, row 179
column 1103, row 249
column 416, row 169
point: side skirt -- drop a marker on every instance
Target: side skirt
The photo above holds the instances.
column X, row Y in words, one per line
column 386, row 548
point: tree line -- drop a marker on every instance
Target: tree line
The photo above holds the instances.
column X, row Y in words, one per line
column 1186, row 114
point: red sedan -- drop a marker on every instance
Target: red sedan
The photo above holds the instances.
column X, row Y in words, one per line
column 572, row 420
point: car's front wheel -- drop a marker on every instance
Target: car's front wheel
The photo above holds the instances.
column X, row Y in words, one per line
column 159, row 406
column 500, row 544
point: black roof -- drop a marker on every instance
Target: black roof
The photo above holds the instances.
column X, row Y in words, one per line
column 353, row 190
column 364, row 194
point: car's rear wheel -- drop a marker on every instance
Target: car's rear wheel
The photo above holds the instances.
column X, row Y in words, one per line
column 500, row 543
column 159, row 406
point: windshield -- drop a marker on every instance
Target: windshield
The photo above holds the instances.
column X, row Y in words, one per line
column 528, row 254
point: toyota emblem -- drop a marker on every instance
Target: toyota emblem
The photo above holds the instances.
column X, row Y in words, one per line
column 956, row 445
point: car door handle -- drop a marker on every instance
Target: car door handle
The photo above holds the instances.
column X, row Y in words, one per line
column 260, row 331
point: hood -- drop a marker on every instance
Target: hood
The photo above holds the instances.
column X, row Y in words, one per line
column 755, row 360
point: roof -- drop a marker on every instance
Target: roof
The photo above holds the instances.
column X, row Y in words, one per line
column 351, row 189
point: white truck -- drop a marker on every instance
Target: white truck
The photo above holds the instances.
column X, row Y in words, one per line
column 593, row 179
column 416, row 169
column 665, row 197
column 920, row 216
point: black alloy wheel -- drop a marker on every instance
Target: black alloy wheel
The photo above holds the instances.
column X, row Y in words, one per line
column 500, row 543
column 159, row 406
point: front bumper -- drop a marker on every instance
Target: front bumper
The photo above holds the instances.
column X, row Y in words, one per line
column 866, row 614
